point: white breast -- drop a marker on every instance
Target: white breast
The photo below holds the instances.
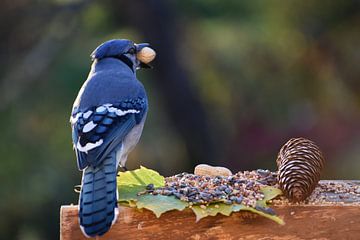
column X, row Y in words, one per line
column 129, row 143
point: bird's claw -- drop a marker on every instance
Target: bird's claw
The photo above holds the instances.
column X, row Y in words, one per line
column 124, row 168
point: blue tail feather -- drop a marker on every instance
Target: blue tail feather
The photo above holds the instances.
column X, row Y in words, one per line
column 98, row 197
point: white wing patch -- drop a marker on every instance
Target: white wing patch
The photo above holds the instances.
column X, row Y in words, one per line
column 87, row 114
column 88, row 146
column 73, row 120
column 89, row 126
column 120, row 112
column 101, row 109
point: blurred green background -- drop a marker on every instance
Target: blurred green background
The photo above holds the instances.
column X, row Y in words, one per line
column 232, row 82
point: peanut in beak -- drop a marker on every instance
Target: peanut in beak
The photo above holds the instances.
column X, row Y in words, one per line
column 146, row 55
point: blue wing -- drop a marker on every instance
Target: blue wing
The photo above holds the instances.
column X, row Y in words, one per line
column 100, row 130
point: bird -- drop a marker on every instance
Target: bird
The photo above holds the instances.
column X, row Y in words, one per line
column 107, row 120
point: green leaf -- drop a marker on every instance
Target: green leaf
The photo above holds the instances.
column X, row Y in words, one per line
column 128, row 203
column 129, row 192
column 141, row 177
column 269, row 193
column 225, row 209
column 211, row 210
column 131, row 183
column 159, row 204
column 240, row 207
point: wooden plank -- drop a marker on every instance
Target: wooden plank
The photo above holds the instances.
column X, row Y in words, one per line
column 303, row 221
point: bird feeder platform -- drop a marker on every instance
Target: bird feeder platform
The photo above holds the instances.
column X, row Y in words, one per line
column 331, row 212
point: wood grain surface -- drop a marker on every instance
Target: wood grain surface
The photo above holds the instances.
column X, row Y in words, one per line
column 302, row 221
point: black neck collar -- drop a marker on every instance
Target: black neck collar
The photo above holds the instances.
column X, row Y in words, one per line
column 127, row 61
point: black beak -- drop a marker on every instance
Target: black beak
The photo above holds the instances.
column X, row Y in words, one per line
column 145, row 65
column 140, row 46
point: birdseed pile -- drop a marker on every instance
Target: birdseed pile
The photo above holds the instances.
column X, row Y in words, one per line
column 240, row 188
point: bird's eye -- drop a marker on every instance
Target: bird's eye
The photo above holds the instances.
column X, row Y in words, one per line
column 131, row 51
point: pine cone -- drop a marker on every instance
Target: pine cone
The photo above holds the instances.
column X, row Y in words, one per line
column 299, row 163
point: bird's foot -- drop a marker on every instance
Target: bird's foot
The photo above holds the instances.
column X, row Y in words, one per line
column 124, row 168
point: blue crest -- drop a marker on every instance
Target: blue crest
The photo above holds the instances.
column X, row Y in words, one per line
column 112, row 48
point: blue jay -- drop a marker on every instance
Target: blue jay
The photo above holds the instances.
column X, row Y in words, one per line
column 107, row 120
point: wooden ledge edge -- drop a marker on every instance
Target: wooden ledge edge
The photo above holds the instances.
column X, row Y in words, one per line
column 307, row 221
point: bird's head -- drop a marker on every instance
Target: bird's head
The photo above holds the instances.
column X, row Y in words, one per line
column 134, row 55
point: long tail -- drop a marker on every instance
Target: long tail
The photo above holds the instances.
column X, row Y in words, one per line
column 98, row 198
